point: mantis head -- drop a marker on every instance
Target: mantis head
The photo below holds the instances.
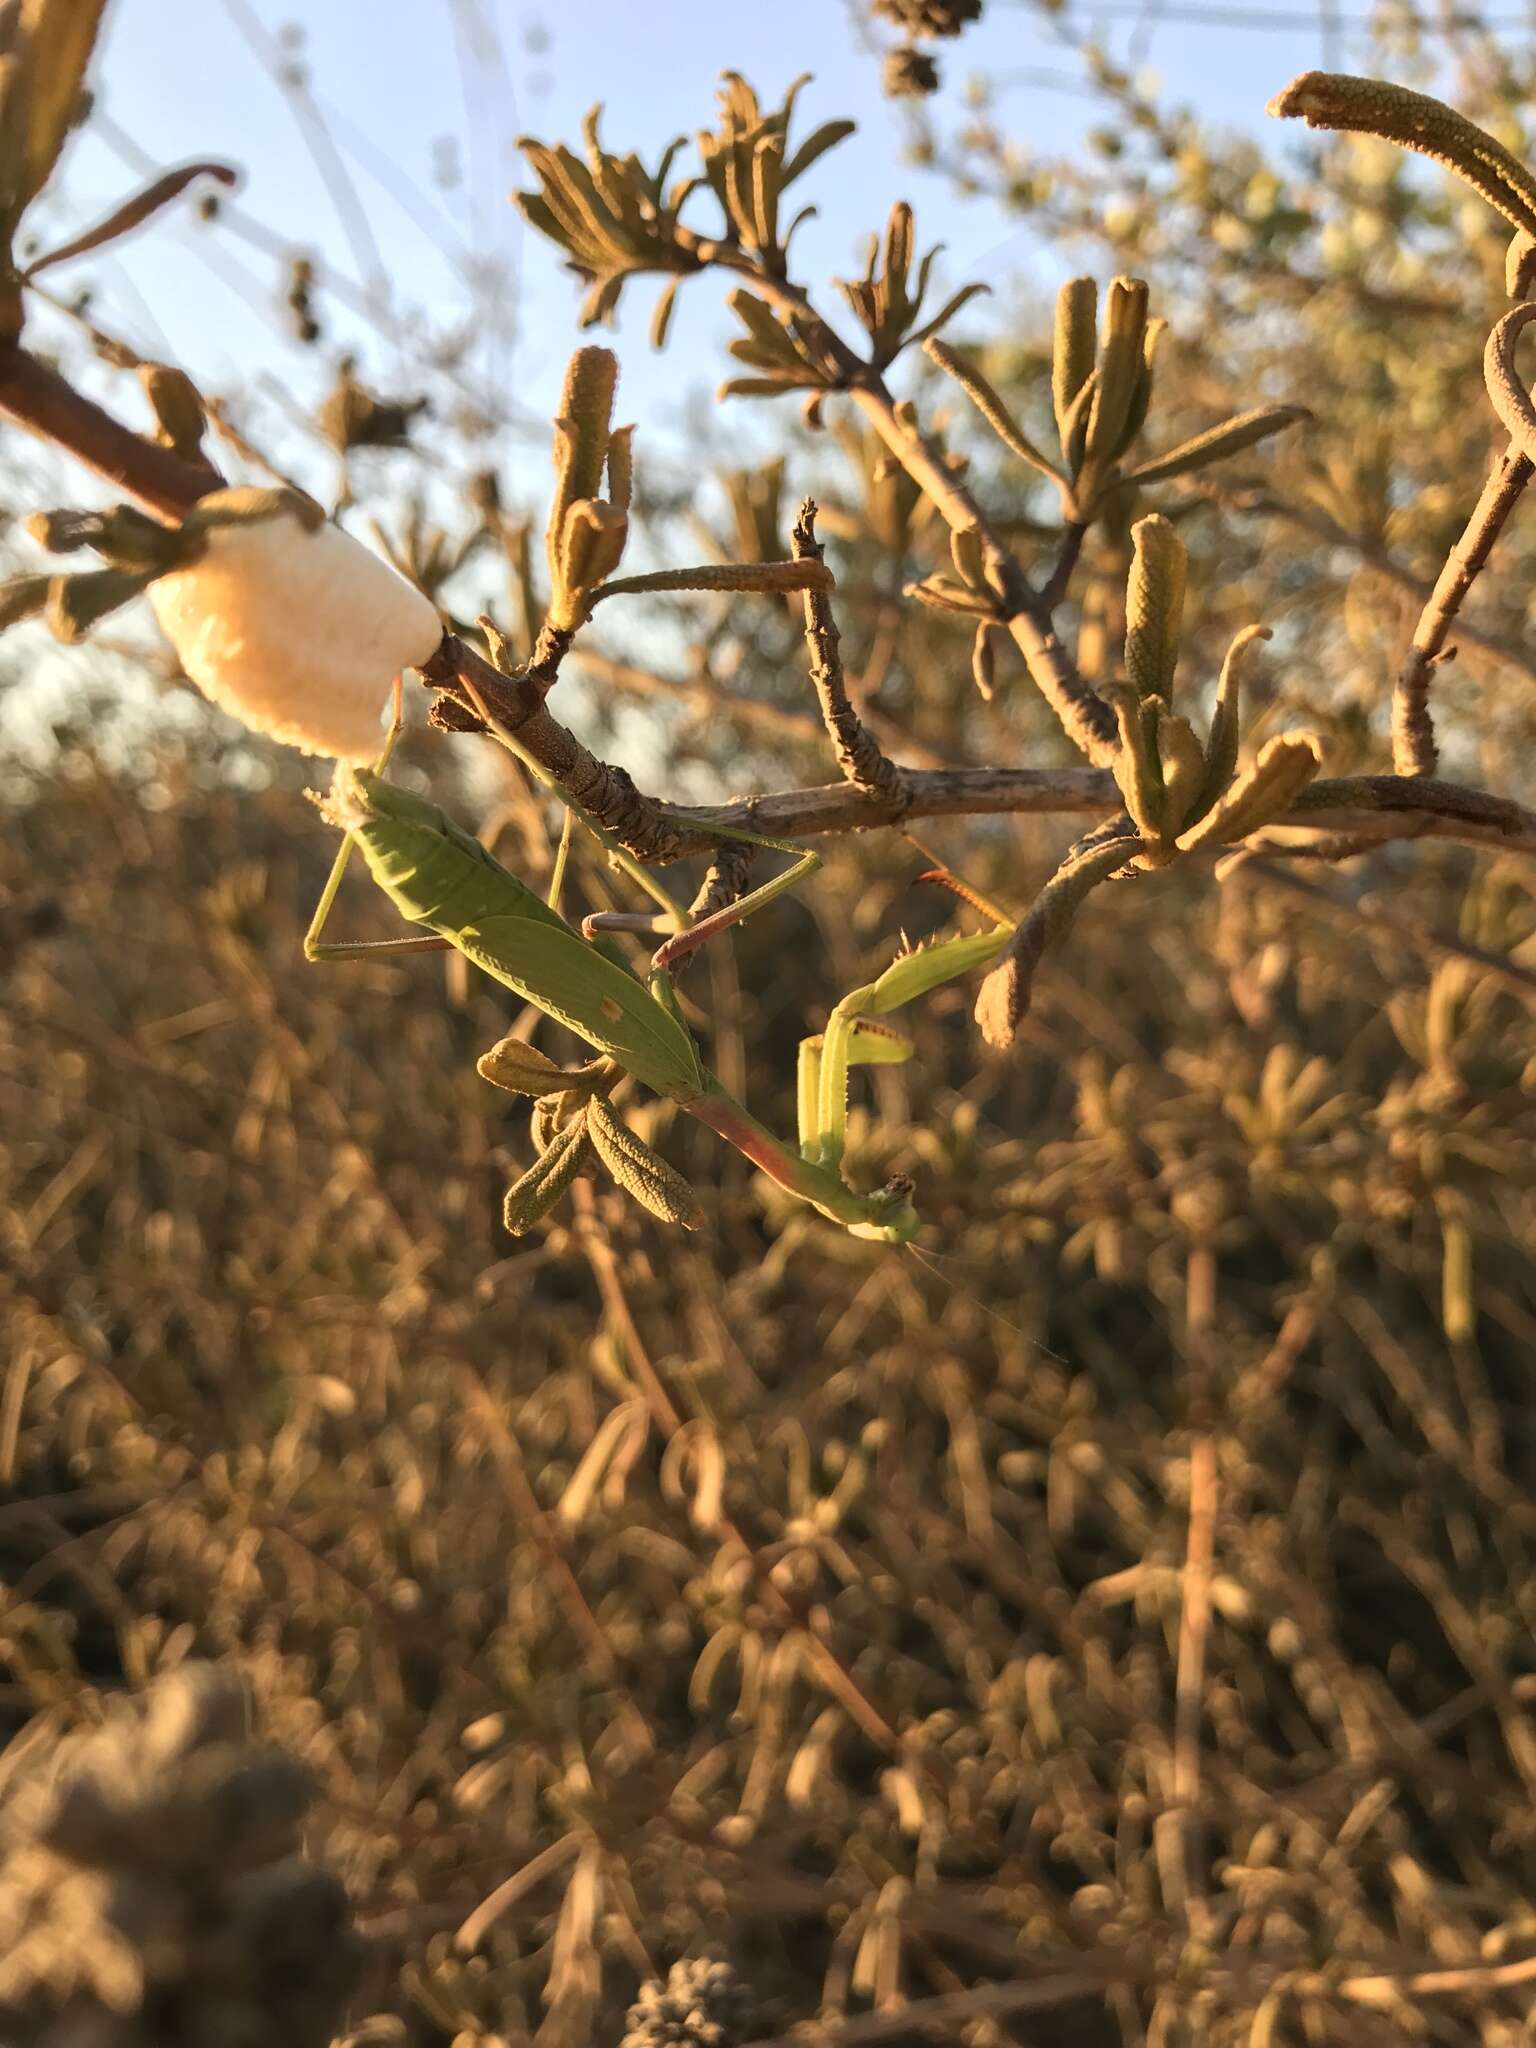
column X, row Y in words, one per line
column 892, row 1218
column 359, row 797
column 402, row 835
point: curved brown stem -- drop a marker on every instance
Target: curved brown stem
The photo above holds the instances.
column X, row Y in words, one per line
column 38, row 398
column 1085, row 717
column 858, row 753
column 1055, row 586
column 1413, row 734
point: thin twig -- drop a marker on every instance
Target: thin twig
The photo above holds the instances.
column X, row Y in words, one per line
column 1381, row 807
column 858, row 755
column 1062, row 569
column 1085, row 717
column 1194, row 1633
column 1413, row 733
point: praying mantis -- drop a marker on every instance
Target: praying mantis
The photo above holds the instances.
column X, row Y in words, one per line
column 439, row 876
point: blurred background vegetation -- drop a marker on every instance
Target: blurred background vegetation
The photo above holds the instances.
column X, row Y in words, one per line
column 1115, row 1626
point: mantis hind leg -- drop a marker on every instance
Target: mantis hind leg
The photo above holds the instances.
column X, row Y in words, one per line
column 683, row 943
column 680, row 944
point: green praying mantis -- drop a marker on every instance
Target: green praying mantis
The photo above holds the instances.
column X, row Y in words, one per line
column 439, row 876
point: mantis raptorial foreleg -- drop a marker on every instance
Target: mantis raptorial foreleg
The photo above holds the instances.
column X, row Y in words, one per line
column 852, row 1039
column 868, row 1045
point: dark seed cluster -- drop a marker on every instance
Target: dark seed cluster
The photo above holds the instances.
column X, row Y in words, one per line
column 702, row 2004
column 929, row 17
column 909, row 74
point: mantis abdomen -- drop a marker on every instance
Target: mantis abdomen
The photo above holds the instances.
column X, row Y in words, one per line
column 438, row 876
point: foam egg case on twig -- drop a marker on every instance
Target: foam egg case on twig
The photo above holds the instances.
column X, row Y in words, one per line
column 296, row 631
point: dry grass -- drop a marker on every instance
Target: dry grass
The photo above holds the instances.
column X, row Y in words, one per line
column 628, row 1595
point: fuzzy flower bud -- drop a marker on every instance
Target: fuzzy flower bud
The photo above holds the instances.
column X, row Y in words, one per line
column 296, row 631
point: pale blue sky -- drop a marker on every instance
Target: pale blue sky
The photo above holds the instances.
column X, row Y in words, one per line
column 394, row 79
column 180, row 78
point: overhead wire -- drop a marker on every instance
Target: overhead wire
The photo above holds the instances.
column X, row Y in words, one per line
column 1191, row 13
